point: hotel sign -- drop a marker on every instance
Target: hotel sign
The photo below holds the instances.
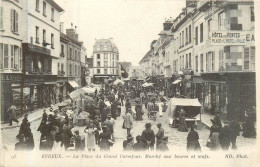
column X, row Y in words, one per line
column 232, row 37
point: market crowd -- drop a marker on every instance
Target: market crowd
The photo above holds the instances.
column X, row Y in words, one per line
column 99, row 112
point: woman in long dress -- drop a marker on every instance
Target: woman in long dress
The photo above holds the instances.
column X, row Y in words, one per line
column 214, row 135
column 91, row 141
column 182, row 126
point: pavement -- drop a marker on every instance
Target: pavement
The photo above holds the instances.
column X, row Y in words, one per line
column 177, row 140
column 33, row 116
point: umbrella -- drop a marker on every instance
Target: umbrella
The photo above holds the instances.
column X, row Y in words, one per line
column 89, row 90
column 76, row 93
column 118, row 81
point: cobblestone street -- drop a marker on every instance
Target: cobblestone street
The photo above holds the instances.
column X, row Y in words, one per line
column 177, row 140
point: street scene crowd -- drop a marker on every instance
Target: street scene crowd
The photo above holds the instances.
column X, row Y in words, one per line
column 97, row 109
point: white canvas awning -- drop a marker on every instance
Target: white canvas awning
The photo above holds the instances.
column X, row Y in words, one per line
column 185, row 102
column 73, row 84
column 176, row 81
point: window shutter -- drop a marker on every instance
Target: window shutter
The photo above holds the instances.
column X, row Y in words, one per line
column 1, row 17
column 21, row 58
column 16, row 21
column 12, row 29
column 12, row 56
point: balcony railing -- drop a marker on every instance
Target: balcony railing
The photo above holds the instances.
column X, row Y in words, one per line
column 37, row 71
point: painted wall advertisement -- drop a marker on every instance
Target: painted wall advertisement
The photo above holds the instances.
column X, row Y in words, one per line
column 232, row 38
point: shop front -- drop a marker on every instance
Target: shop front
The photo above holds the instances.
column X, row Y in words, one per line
column 11, row 93
column 229, row 94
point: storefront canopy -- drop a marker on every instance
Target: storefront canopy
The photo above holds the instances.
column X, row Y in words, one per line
column 176, row 81
column 73, row 84
column 185, row 102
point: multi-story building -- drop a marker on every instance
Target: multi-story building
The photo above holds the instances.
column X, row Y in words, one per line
column 227, row 62
column 11, row 36
column 105, row 60
column 89, row 71
column 134, row 73
column 213, row 55
column 73, row 59
column 125, row 66
column 34, row 26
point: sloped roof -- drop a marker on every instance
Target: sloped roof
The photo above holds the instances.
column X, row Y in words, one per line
column 111, row 46
column 146, row 56
column 125, row 64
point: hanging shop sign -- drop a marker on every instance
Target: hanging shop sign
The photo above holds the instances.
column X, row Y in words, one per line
column 232, row 37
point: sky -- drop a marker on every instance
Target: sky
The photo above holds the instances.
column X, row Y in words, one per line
column 133, row 24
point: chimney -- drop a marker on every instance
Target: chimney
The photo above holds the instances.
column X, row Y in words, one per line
column 62, row 27
column 75, row 29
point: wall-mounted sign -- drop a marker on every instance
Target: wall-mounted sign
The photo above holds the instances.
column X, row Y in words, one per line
column 232, row 37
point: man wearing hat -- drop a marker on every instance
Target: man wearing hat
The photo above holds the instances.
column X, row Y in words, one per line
column 224, row 136
column 97, row 126
column 130, row 144
column 163, row 146
column 139, row 145
column 110, row 122
column 128, row 121
column 149, row 136
column 159, row 135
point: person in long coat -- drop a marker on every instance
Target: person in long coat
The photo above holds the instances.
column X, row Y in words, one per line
column 12, row 115
column 149, row 136
column 102, row 105
column 214, row 135
column 114, row 110
column 105, row 136
column 183, row 125
column 128, row 121
column 127, row 104
column 163, row 146
column 249, row 125
column 234, row 132
column 224, row 137
column 130, row 144
column 66, row 136
column 138, row 109
column 159, row 135
column 140, row 145
column 193, row 140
